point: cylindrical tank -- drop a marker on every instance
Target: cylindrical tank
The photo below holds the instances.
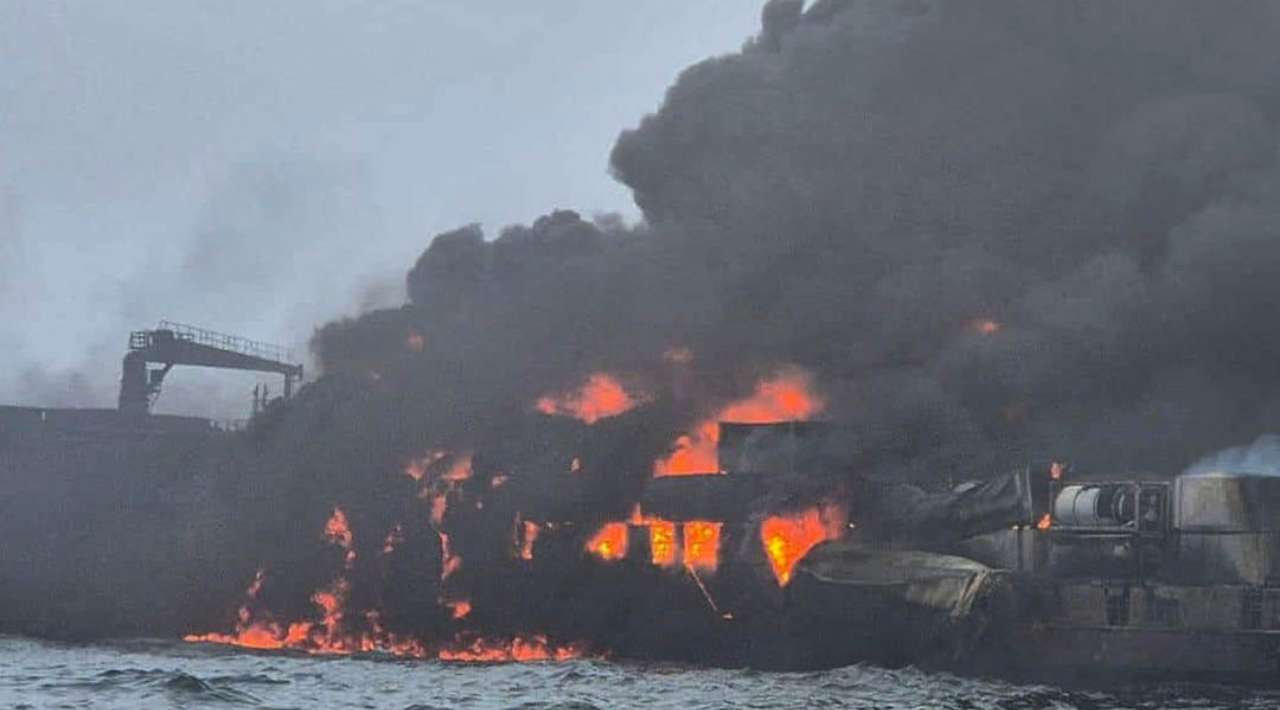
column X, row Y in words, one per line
column 1090, row 506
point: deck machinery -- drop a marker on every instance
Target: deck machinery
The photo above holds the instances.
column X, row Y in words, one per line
column 153, row 353
column 1044, row 571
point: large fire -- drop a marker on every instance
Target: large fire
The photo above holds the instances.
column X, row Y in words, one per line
column 697, row 545
column 441, row 474
column 333, row 634
column 459, row 609
column 338, row 531
column 522, row 649
column 600, row 397
column 662, row 543
column 450, row 562
column 417, row 468
column 329, row 635
column 786, row 397
column 688, row 548
column 788, row 538
column 525, row 542
column 329, row 638
column 610, row 542
column 702, row 545
column 439, row 505
column 459, row 470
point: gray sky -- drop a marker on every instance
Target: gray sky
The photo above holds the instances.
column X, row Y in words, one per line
column 260, row 167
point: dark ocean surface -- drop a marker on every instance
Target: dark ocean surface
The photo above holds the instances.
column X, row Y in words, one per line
column 160, row 674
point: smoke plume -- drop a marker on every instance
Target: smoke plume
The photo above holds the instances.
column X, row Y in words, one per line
column 1260, row 456
column 990, row 233
column 865, row 186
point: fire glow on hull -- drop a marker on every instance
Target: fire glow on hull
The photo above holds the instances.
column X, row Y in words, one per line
column 443, row 479
column 788, row 538
column 334, row 634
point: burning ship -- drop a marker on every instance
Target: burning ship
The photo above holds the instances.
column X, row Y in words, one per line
column 750, row 544
column 1036, row 572
column 985, row 233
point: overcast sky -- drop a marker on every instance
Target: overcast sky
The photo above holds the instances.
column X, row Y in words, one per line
column 260, row 167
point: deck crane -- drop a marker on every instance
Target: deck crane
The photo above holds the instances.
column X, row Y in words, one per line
column 153, row 353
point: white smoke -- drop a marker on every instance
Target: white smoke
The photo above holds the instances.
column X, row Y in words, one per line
column 1262, row 456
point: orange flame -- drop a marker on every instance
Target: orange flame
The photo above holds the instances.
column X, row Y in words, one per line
column 417, row 468
column 702, row 545
column 332, row 603
column 324, row 637
column 520, row 649
column 254, row 588
column 450, row 562
column 701, row 548
column 460, row 470
column 439, row 506
column 662, row 543
column 394, row 538
column 693, row 454
column 786, row 397
column 788, row 538
column 459, row 609
column 338, row 531
column 440, row 485
column 306, row 637
column 330, row 635
column 261, row 636
column 531, row 531
column 985, row 326
column 248, row 634
column 610, row 542
column 1045, row 522
column 600, row 397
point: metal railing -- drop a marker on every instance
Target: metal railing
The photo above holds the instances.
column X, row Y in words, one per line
column 229, row 425
column 222, row 341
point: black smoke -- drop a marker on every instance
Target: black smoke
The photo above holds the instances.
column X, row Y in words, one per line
column 994, row 234
column 863, row 184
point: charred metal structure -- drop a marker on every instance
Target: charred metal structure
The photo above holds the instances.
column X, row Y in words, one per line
column 1092, row 576
column 1035, row 573
column 1142, row 575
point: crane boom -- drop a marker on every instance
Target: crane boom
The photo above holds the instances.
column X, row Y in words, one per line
column 176, row 344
